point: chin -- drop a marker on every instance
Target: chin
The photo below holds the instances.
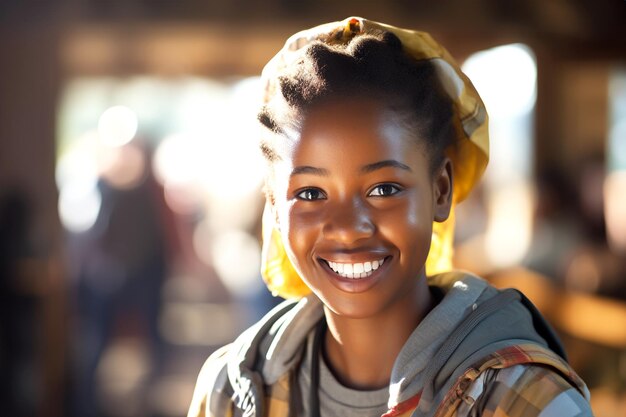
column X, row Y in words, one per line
column 353, row 306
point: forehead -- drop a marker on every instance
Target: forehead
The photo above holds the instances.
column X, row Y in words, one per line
column 352, row 128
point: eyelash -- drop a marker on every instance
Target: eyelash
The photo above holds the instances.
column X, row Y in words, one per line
column 396, row 189
column 300, row 195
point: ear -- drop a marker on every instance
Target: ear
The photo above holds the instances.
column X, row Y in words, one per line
column 442, row 190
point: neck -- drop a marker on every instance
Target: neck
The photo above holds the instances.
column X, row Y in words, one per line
column 375, row 341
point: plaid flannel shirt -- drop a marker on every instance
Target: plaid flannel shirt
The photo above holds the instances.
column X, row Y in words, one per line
column 519, row 381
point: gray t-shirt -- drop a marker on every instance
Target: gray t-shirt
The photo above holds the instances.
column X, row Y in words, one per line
column 335, row 399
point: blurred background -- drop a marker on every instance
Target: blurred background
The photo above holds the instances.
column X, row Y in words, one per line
column 130, row 184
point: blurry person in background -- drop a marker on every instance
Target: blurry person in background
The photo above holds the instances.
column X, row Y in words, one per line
column 119, row 266
column 557, row 226
column 592, row 266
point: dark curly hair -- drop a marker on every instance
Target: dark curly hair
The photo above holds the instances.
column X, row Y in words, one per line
column 369, row 66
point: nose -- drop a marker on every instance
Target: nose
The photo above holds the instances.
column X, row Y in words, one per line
column 348, row 223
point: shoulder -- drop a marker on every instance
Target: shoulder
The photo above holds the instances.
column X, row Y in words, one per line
column 212, row 387
column 259, row 357
column 527, row 390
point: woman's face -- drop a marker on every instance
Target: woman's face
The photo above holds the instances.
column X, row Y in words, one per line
column 355, row 200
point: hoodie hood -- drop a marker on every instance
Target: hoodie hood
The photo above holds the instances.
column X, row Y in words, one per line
column 462, row 292
column 268, row 350
column 472, row 321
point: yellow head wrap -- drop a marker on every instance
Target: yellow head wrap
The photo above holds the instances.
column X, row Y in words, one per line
column 469, row 154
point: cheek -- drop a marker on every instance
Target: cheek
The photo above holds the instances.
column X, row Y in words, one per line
column 409, row 227
column 299, row 233
column 282, row 212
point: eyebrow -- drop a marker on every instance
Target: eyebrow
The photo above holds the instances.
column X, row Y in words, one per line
column 306, row 169
column 385, row 164
column 310, row 170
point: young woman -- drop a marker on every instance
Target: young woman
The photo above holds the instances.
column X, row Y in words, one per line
column 372, row 134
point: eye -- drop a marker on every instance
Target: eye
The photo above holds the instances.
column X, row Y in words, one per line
column 311, row 194
column 384, row 190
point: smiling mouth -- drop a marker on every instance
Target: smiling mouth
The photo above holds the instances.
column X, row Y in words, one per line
column 355, row 270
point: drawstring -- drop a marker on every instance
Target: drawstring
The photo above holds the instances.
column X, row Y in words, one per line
column 318, row 338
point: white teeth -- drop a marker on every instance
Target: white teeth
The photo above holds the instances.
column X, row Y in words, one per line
column 356, row 270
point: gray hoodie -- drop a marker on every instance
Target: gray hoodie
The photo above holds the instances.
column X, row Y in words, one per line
column 472, row 321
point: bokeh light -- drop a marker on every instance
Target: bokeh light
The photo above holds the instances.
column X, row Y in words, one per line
column 117, row 126
column 615, row 209
column 79, row 204
column 505, row 77
column 509, row 226
column 233, row 166
column 123, row 167
column 236, row 258
column 177, row 159
column 77, row 176
column 615, row 181
column 121, row 375
column 184, row 198
column 80, row 161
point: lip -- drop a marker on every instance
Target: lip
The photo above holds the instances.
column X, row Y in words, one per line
column 355, row 285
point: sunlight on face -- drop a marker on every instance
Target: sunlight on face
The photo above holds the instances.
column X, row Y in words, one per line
column 355, row 201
